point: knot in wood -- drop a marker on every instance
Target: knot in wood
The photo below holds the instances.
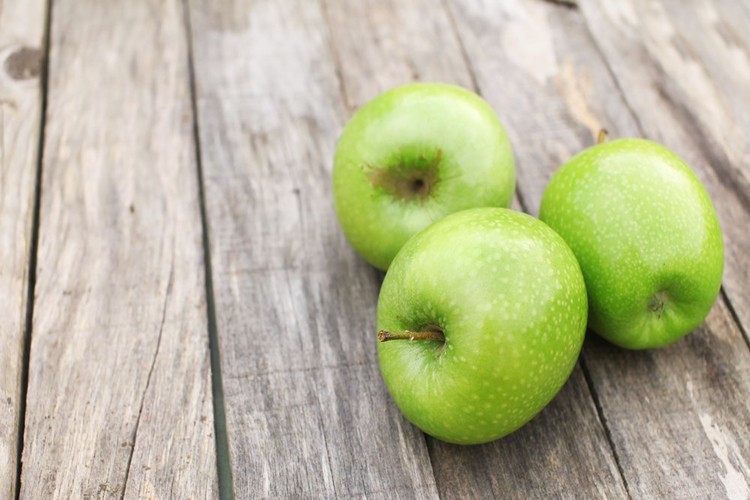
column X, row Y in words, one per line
column 24, row 63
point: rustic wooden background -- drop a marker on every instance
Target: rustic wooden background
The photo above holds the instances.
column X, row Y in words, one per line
column 183, row 318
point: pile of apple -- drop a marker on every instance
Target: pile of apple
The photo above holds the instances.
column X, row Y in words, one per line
column 483, row 310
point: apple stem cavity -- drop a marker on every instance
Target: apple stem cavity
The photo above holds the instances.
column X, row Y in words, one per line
column 408, row 179
column 428, row 334
column 602, row 136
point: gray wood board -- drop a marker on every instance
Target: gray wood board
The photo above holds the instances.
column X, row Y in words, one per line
column 307, row 413
column 21, row 63
column 684, row 70
column 679, row 416
column 119, row 394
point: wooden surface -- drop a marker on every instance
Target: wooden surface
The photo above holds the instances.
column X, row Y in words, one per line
column 199, row 327
column 119, row 393
column 21, row 45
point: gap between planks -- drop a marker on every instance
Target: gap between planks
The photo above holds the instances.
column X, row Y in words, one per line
column 223, row 459
column 34, row 247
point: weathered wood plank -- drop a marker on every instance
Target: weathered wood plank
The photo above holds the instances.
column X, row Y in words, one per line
column 679, row 416
column 307, row 414
column 563, row 92
column 564, row 451
column 684, row 68
column 21, row 59
column 119, row 395
column 685, row 71
column 553, row 456
column 533, row 62
column 383, row 44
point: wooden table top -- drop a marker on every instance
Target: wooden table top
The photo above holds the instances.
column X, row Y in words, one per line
column 183, row 317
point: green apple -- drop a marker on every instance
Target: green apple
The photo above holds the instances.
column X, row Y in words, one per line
column 481, row 319
column 412, row 156
column 646, row 236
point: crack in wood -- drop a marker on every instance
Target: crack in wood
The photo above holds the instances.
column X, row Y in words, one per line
column 336, row 59
column 735, row 317
column 461, row 45
column 134, row 441
column 571, row 4
column 603, row 419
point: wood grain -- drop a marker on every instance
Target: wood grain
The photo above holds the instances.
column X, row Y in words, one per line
column 684, row 69
column 307, row 413
column 119, row 396
column 564, row 450
column 21, row 61
column 569, row 92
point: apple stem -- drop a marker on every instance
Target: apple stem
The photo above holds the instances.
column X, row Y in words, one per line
column 384, row 335
column 601, row 137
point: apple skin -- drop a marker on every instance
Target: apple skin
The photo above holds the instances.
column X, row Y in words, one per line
column 509, row 297
column 646, row 236
column 413, row 155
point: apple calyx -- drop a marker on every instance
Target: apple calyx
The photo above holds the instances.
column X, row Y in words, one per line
column 429, row 333
column 658, row 303
column 407, row 180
